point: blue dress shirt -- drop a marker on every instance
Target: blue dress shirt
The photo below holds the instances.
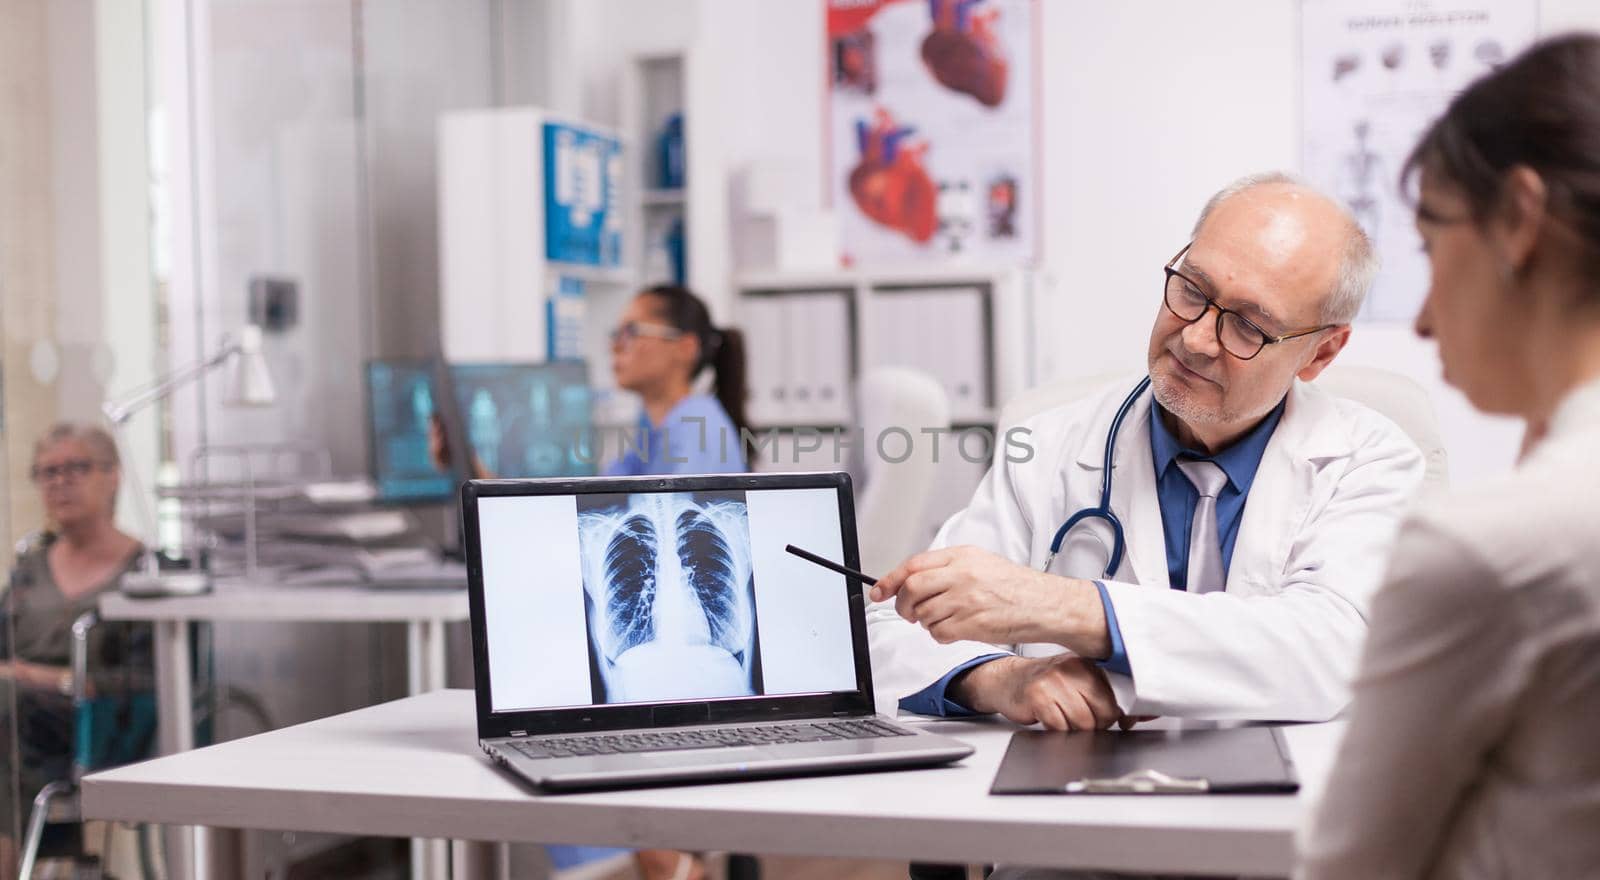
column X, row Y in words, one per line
column 1177, row 497
column 696, row 437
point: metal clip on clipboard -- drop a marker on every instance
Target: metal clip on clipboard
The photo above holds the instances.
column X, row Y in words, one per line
column 1138, row 782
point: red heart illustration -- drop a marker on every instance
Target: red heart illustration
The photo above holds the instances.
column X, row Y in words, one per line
column 890, row 184
column 963, row 51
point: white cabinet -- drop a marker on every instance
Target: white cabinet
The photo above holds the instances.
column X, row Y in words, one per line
column 526, row 199
column 811, row 336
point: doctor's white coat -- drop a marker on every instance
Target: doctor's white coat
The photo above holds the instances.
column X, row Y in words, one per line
column 1280, row 643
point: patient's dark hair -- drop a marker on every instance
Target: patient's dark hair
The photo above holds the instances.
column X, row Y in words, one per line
column 1542, row 111
column 721, row 348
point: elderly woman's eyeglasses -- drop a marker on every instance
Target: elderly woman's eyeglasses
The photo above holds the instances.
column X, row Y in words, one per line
column 71, row 469
column 1236, row 333
column 628, row 331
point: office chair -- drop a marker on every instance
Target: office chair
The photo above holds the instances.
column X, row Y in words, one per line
column 891, row 506
column 1402, row 401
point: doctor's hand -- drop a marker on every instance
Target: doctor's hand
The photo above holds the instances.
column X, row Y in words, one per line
column 1064, row 692
column 960, row 593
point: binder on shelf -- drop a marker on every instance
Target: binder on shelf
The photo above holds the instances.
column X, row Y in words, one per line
column 823, row 354
column 799, row 319
column 942, row 332
column 766, row 347
column 564, row 318
column 799, row 348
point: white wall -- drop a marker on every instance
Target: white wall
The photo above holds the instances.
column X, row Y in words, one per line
column 422, row 57
column 76, row 192
column 1148, row 108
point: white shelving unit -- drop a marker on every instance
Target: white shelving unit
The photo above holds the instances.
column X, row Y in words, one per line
column 971, row 329
column 654, row 88
column 888, row 318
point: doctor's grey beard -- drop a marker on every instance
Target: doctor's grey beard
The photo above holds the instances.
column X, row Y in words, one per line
column 1176, row 400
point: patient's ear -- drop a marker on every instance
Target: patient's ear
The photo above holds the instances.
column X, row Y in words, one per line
column 1519, row 217
column 1325, row 352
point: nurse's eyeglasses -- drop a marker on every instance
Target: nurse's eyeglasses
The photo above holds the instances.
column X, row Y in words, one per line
column 626, row 332
column 1237, row 334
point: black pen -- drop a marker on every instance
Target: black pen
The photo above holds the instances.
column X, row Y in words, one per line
column 829, row 564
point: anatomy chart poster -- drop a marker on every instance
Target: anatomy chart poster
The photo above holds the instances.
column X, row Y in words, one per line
column 661, row 596
column 932, row 130
column 1375, row 74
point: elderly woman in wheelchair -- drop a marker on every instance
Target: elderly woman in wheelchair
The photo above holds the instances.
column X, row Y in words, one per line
column 75, row 693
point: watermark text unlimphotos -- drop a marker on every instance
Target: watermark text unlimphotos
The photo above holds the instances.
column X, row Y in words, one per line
column 694, row 440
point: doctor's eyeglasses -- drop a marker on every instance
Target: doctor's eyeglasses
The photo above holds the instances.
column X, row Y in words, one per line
column 1237, row 335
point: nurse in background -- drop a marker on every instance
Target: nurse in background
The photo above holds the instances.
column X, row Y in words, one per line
column 663, row 343
column 1473, row 746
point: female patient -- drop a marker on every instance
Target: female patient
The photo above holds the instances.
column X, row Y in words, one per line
column 1473, row 747
column 57, row 577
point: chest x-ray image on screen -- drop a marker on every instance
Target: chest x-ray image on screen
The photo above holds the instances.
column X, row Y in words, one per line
column 402, row 400
column 669, row 596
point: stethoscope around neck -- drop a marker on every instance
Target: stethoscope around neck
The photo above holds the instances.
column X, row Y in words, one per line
column 1103, row 510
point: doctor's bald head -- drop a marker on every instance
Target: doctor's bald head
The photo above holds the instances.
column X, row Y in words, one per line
column 1358, row 260
column 1264, row 293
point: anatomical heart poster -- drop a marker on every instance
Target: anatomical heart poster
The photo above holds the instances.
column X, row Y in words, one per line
column 1374, row 75
column 932, row 124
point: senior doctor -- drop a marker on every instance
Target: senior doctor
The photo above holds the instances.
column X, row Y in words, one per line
column 1257, row 511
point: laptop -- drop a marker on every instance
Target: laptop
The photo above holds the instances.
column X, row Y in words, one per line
column 645, row 630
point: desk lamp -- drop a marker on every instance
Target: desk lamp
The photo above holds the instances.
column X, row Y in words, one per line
column 249, row 384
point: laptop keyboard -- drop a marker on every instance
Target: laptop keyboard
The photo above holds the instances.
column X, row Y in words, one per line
column 706, row 738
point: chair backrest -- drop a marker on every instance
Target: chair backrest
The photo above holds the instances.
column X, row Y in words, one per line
column 1042, row 397
column 891, row 508
column 1394, row 396
column 1403, row 402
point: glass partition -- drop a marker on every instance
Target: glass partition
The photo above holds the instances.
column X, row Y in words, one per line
column 80, row 323
column 176, row 170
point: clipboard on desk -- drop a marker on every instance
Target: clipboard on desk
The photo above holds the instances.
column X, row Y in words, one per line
column 1235, row 760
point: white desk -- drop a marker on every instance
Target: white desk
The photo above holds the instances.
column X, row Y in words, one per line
column 412, row 768
column 424, row 612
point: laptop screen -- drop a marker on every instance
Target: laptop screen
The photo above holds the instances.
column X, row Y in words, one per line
column 657, row 595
